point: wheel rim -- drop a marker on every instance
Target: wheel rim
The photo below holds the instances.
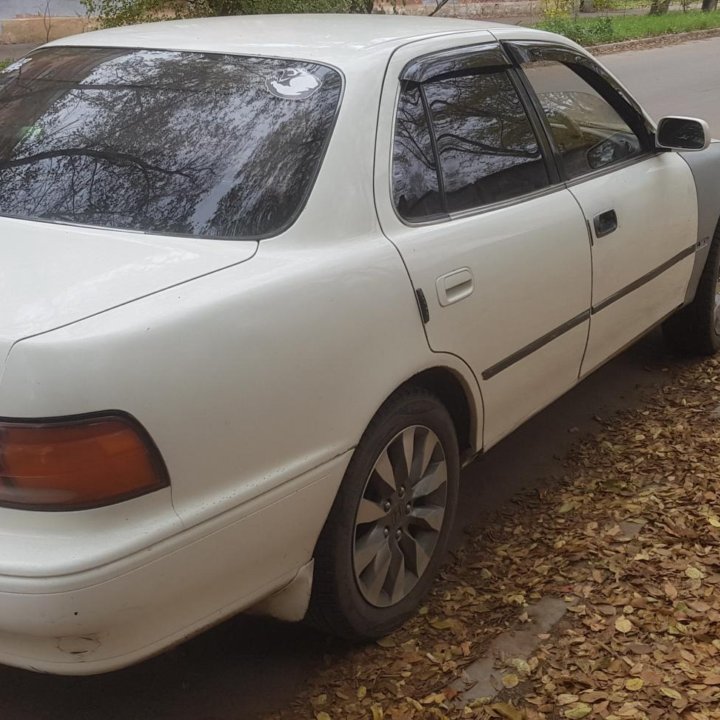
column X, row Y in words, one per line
column 400, row 516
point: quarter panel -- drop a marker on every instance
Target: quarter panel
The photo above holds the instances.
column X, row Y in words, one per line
column 244, row 379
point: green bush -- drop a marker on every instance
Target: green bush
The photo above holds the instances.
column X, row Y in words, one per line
column 584, row 32
column 4, row 64
column 595, row 31
column 619, row 5
column 124, row 12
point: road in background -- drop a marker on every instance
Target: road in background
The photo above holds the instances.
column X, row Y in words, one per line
column 246, row 666
column 13, row 52
column 674, row 80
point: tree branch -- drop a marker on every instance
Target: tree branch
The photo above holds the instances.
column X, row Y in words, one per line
column 110, row 155
column 439, row 5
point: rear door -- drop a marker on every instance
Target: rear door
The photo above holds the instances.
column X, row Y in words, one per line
column 640, row 204
column 495, row 244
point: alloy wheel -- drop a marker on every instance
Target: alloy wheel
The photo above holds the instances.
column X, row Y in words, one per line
column 400, row 516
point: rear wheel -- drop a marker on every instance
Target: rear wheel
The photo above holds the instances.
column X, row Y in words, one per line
column 695, row 330
column 388, row 529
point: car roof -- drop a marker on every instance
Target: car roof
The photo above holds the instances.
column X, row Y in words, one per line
column 335, row 39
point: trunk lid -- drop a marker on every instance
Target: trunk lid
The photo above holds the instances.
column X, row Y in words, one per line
column 52, row 275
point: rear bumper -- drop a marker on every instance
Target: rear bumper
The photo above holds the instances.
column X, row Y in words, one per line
column 112, row 616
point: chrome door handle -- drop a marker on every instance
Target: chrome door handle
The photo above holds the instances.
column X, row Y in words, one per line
column 454, row 286
column 605, row 223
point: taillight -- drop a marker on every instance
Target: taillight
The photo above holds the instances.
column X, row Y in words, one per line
column 76, row 463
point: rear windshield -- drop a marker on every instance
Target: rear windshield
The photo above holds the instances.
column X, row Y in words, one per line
column 205, row 145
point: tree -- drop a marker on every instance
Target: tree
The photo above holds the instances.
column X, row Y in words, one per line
column 709, row 5
column 659, row 7
column 440, row 4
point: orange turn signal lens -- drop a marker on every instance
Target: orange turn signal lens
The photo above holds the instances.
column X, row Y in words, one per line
column 77, row 463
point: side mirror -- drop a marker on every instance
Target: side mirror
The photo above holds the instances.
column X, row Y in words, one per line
column 682, row 133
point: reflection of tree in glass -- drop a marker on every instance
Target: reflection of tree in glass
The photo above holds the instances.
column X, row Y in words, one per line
column 160, row 141
column 488, row 150
column 415, row 181
column 583, row 109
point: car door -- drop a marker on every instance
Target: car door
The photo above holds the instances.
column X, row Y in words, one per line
column 495, row 246
column 640, row 203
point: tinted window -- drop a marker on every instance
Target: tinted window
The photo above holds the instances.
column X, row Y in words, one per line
column 415, row 180
column 488, row 150
column 163, row 142
column 588, row 131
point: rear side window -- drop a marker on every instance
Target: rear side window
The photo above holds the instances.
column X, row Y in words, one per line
column 488, row 151
column 205, row 145
column 415, row 175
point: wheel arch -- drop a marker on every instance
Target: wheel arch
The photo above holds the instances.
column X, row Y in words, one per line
column 705, row 168
column 451, row 389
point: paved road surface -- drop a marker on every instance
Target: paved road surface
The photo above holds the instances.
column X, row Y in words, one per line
column 12, row 52
column 675, row 80
column 248, row 666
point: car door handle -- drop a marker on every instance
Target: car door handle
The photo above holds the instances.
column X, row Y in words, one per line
column 605, row 223
column 454, row 286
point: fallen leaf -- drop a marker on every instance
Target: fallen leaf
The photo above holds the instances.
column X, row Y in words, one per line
column 693, row 573
column 577, row 712
column 520, row 665
column 433, row 699
column 509, row 712
column 623, row 625
column 634, row 684
column 669, row 692
column 566, row 699
column 510, row 680
column 444, row 624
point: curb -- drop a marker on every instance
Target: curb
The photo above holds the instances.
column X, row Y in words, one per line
column 652, row 42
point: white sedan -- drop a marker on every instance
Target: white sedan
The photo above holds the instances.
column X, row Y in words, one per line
column 267, row 283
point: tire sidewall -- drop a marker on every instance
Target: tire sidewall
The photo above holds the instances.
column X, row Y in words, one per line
column 709, row 292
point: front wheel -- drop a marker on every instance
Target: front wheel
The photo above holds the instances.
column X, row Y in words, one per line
column 388, row 530
column 695, row 330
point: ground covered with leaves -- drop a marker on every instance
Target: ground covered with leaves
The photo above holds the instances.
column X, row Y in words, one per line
column 630, row 539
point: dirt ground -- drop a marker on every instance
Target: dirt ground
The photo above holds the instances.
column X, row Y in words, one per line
column 630, row 539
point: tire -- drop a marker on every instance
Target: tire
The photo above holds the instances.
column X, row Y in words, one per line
column 371, row 527
column 695, row 329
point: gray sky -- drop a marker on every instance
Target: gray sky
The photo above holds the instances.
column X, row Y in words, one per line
column 12, row 8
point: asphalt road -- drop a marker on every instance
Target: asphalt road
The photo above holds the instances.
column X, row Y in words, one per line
column 249, row 666
column 674, row 80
